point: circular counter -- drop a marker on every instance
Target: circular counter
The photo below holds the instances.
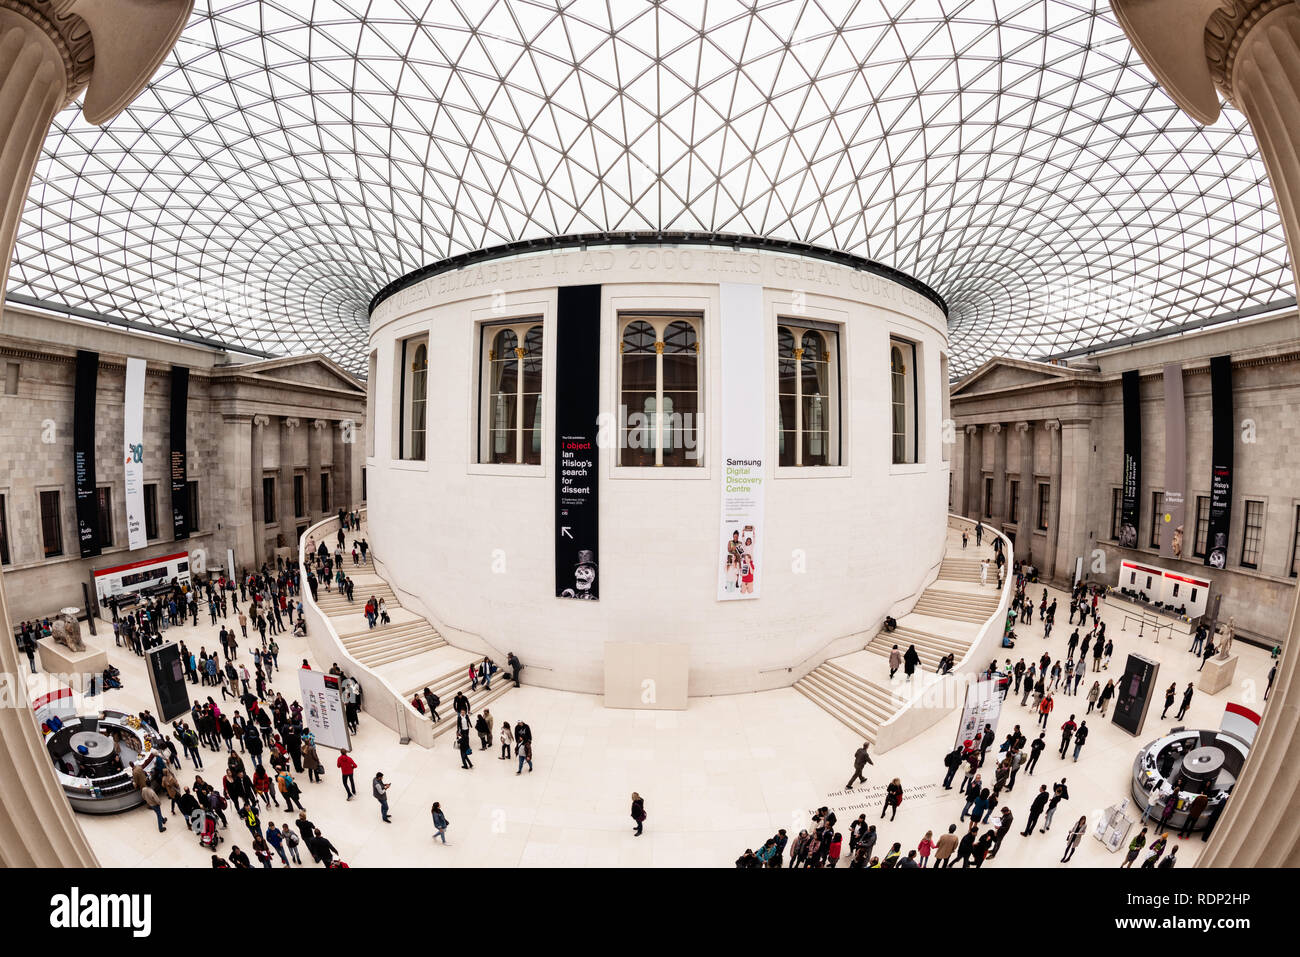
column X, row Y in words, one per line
column 724, row 445
column 93, row 757
column 1182, row 765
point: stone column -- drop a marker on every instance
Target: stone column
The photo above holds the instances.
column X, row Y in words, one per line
column 237, row 496
column 1028, row 490
column 1054, row 501
column 1250, row 51
column 1072, row 509
column 957, row 471
column 288, row 519
column 256, row 469
column 313, row 468
column 346, row 436
column 49, row 52
column 974, row 473
column 999, row 508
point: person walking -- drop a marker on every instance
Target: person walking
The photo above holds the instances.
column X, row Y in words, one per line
column 1080, row 737
column 380, row 790
column 1107, row 693
column 1045, row 709
column 440, row 823
column 1074, row 838
column 952, row 761
column 860, row 760
column 155, row 804
column 895, row 659
column 893, row 798
column 1187, row 701
column 1036, row 750
column 945, row 846
column 1093, row 694
column 462, row 744
column 638, row 813
column 1067, row 732
column 1194, row 812
column 1170, row 693
column 347, row 766
column 911, row 660
column 1135, row 848
column 1036, row 810
column 1059, row 793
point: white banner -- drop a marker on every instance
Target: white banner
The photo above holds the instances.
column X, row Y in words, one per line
column 983, row 706
column 133, row 439
column 740, row 562
column 322, row 708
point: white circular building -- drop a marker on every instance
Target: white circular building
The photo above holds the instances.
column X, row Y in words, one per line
column 725, row 443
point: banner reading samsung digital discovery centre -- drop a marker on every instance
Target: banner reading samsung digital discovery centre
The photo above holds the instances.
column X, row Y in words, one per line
column 740, row 561
column 133, row 440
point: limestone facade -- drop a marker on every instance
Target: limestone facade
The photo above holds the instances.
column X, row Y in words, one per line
column 1019, row 404
column 227, row 398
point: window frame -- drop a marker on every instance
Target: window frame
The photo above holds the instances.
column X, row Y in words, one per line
column 1116, row 512
column 1295, row 539
column 326, row 487
column 832, row 334
column 521, row 326
column 408, row 358
column 192, row 493
column 910, row 356
column 1200, row 544
column 1044, row 505
column 51, row 522
column 660, row 320
column 1013, row 501
column 299, row 495
column 270, row 516
column 150, row 511
column 1246, row 529
column 104, row 515
column 1157, row 516
column 6, row 557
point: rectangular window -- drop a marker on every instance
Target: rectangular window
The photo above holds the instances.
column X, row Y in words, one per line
column 1202, row 525
column 414, row 384
column 268, row 500
column 4, row 530
column 659, row 391
column 1013, row 497
column 510, row 408
column 104, row 502
column 192, row 490
column 1157, row 516
column 1295, row 539
column 903, row 401
column 988, row 497
column 151, row 511
column 808, row 393
column 1252, row 538
column 299, row 494
column 324, row 491
column 1116, row 512
column 363, row 485
column 372, row 381
column 1044, row 501
column 11, row 378
column 51, row 524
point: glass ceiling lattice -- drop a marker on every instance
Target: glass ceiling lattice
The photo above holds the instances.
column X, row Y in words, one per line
column 292, row 158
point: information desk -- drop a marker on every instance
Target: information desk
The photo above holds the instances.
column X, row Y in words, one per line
column 1182, row 765
column 93, row 757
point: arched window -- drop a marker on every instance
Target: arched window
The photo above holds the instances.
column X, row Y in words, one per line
column 419, row 400
column 903, row 401
column 512, row 421
column 413, row 374
column 659, row 369
column 807, row 372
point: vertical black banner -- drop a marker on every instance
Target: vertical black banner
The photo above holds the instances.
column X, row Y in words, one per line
column 181, row 519
column 1132, row 478
column 1216, row 538
column 577, row 406
column 83, row 452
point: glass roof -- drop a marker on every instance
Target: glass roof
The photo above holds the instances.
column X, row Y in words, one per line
column 290, row 159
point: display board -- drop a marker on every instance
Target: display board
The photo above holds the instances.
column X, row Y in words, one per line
column 137, row 576
column 182, row 520
column 322, row 708
column 83, row 452
column 133, row 442
column 1133, row 693
column 1131, row 487
column 167, row 678
column 740, row 557
column 577, row 408
column 1173, row 516
column 1216, row 538
column 1175, row 589
column 983, row 706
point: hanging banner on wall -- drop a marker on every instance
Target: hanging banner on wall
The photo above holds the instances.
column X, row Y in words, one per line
column 181, row 517
column 322, row 710
column 133, row 455
column 83, row 452
column 1173, row 518
column 577, row 407
column 740, row 557
column 1216, row 538
column 1132, row 477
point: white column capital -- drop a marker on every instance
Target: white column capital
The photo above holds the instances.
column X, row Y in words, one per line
column 995, row 428
column 1023, row 427
column 320, row 424
column 290, row 422
column 1053, row 425
column 261, row 421
column 972, row 429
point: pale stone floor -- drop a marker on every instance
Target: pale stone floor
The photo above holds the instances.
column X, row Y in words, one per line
column 717, row 778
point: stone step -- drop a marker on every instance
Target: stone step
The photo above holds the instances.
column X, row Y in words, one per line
column 873, row 696
column 382, row 657
column 397, row 628
column 855, row 724
column 929, row 659
column 477, row 702
column 364, row 642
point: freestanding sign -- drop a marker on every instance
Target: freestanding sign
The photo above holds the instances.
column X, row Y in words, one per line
column 577, row 408
column 983, row 706
column 83, row 452
column 167, row 678
column 740, row 560
column 1134, row 693
column 322, row 708
column 133, row 442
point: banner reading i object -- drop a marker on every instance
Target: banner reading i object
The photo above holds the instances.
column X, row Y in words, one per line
column 740, row 559
column 577, row 407
column 133, row 442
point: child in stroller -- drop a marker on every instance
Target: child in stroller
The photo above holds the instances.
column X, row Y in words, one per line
column 204, row 824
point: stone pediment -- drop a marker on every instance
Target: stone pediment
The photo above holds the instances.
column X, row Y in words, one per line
column 313, row 370
column 998, row 374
